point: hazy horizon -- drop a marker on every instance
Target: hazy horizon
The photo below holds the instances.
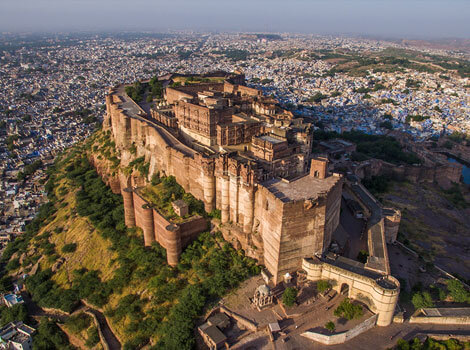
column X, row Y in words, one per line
column 386, row 18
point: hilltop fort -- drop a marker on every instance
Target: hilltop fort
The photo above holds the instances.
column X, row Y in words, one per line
column 240, row 153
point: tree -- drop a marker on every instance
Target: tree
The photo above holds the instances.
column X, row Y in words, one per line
column 317, row 97
column 348, row 310
column 69, row 248
column 289, row 296
column 323, row 286
column 50, row 337
column 330, row 325
column 422, row 300
column 17, row 312
column 362, row 256
column 387, row 125
column 457, row 291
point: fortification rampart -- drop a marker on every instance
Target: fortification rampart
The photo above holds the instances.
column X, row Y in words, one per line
column 171, row 236
column 442, row 316
column 442, row 174
column 343, row 337
column 283, row 230
column 378, row 292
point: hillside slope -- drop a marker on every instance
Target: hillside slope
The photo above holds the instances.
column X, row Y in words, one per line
column 79, row 248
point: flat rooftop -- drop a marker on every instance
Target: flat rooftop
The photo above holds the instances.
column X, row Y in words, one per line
column 306, row 187
column 447, row 312
column 128, row 104
column 270, row 139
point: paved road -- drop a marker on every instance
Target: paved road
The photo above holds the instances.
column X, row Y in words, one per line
column 108, row 334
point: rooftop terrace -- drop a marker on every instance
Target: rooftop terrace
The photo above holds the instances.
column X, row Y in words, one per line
column 306, row 187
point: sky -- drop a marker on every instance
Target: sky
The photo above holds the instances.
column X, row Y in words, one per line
column 385, row 18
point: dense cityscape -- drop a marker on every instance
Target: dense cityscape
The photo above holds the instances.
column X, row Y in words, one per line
column 44, row 84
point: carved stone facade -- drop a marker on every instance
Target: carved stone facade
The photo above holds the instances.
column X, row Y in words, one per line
column 263, row 296
column 271, row 206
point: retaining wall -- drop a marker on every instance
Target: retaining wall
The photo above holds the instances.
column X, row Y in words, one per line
column 341, row 338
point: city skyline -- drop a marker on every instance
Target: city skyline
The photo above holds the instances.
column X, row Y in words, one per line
column 398, row 19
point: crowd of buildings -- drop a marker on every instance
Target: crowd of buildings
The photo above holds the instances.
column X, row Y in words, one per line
column 52, row 92
column 52, row 95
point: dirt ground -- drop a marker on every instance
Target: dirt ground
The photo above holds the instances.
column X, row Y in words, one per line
column 313, row 316
column 432, row 225
column 312, row 313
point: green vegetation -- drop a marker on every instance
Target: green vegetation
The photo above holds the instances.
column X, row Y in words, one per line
column 388, row 100
column 459, row 137
column 174, row 297
column 457, row 291
column 165, row 190
column 10, row 142
column 330, row 325
column 431, row 344
column 86, row 116
column 45, row 214
column 335, row 94
column 78, row 323
column 140, row 165
column 29, row 169
column 387, row 125
column 362, row 256
column 422, row 300
column 448, row 144
column 416, row 118
column 378, row 185
column 50, row 337
column 234, row 55
column 17, row 312
column 362, row 90
column 317, row 97
column 93, row 337
column 215, row 214
column 389, row 60
column 103, row 146
column 453, row 291
column 348, row 310
column 289, row 296
column 372, row 146
column 69, row 248
column 454, row 195
column 156, row 88
column 136, row 91
column 323, row 286
column 412, row 84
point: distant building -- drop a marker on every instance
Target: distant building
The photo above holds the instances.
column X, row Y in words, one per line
column 16, row 336
column 12, row 299
column 212, row 336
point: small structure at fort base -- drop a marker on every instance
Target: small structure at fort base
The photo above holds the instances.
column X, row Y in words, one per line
column 263, row 296
column 211, row 331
